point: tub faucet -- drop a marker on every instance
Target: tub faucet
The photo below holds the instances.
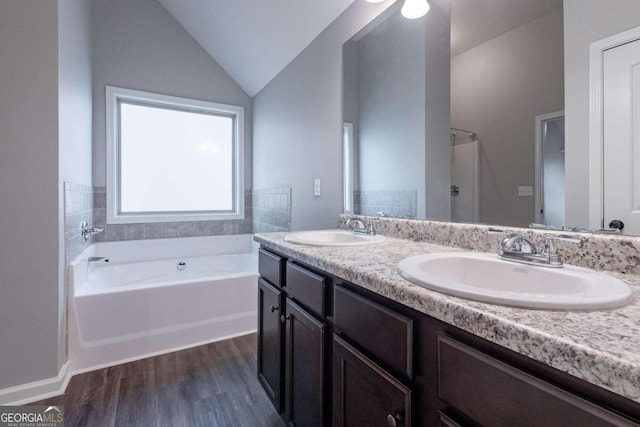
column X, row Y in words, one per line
column 87, row 230
column 97, row 259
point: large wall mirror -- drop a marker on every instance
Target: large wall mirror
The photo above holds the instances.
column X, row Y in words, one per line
column 458, row 116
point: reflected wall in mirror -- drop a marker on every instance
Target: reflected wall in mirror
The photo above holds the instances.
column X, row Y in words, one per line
column 444, row 112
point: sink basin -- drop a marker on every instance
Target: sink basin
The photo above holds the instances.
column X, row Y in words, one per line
column 333, row 238
column 484, row 277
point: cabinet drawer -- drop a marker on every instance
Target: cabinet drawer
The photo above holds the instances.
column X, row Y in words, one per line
column 385, row 334
column 445, row 421
column 270, row 267
column 306, row 287
column 493, row 393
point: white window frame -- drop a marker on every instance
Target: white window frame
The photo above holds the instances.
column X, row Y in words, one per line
column 113, row 97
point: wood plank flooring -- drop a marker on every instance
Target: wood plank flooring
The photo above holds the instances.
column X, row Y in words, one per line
column 210, row 385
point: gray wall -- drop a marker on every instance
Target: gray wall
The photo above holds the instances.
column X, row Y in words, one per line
column 437, row 112
column 298, row 123
column 29, row 191
column 350, row 101
column 74, row 84
column 391, row 113
column 403, row 140
column 138, row 45
column 497, row 90
column 585, row 21
column 75, row 124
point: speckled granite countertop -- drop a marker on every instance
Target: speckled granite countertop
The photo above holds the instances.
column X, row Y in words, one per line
column 601, row 347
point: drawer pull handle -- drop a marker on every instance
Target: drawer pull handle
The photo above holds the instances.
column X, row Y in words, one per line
column 393, row 420
column 274, row 308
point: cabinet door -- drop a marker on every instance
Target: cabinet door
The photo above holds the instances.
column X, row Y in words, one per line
column 270, row 342
column 364, row 394
column 305, row 368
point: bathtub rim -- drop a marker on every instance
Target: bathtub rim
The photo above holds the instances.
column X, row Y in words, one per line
column 158, row 250
column 80, row 291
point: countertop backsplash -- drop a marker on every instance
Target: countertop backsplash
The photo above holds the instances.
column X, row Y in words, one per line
column 598, row 251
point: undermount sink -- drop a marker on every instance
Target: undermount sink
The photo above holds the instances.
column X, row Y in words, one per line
column 484, row 277
column 333, row 238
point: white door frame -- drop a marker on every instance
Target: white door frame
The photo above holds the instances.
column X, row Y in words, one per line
column 596, row 121
column 347, row 167
column 539, row 174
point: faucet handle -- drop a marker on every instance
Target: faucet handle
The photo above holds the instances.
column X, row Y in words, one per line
column 550, row 249
column 495, row 230
column 370, row 229
column 565, row 238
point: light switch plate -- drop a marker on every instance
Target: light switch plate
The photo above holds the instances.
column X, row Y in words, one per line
column 317, row 187
column 525, row 191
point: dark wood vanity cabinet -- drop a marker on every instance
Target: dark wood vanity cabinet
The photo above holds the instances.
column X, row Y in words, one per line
column 293, row 340
column 333, row 353
column 372, row 362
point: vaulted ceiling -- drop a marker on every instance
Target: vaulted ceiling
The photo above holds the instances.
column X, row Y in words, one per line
column 474, row 22
column 253, row 40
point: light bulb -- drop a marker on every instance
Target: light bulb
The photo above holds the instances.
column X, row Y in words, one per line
column 413, row 9
column 375, row 1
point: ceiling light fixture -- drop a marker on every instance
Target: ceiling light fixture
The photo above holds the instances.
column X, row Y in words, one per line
column 413, row 9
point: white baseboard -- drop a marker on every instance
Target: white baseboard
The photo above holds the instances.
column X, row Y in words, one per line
column 37, row 390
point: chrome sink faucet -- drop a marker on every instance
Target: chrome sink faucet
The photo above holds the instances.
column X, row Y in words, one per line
column 359, row 226
column 520, row 248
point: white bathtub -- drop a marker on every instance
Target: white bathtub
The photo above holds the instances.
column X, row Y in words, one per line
column 158, row 296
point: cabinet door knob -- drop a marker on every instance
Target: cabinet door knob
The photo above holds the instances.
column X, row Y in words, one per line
column 273, row 308
column 393, row 420
column 284, row 318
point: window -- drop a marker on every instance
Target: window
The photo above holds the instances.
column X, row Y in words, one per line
column 172, row 159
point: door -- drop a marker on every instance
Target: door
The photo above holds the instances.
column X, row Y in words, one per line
column 549, row 191
column 304, row 368
column 270, row 342
column 465, row 159
column 364, row 395
column 621, row 134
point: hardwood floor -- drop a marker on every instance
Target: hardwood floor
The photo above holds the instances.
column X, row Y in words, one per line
column 210, row 385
